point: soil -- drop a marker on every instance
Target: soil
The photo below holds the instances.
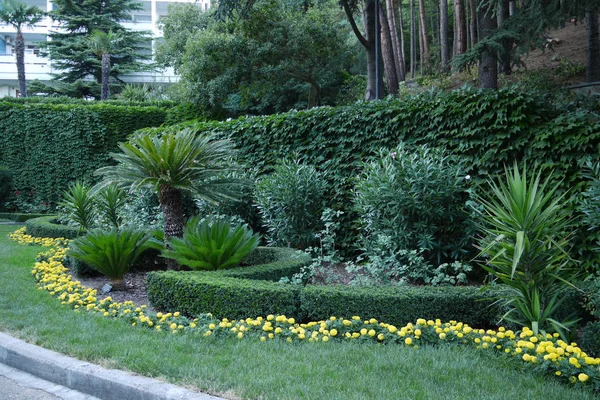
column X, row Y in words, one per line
column 135, row 287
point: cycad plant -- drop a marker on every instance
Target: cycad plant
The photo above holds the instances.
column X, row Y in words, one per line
column 170, row 163
column 79, row 205
column 111, row 252
column 526, row 231
column 212, row 244
column 109, row 200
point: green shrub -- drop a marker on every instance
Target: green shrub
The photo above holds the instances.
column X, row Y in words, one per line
column 418, row 197
column 81, row 269
column 79, row 205
column 49, row 227
column 270, row 264
column 589, row 207
column 526, row 230
column 110, row 200
column 110, row 252
column 211, row 244
column 590, row 340
column 291, row 201
column 194, row 293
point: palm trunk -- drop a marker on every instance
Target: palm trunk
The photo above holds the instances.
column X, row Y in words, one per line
column 20, row 54
column 171, row 204
column 592, row 71
column 105, row 76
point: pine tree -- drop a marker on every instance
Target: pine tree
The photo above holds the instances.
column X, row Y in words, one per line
column 69, row 49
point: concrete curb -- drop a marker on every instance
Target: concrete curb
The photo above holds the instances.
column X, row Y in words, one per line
column 106, row 384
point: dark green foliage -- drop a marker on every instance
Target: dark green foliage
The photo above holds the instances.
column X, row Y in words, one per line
column 82, row 269
column 291, row 201
column 418, row 197
column 194, row 293
column 6, row 184
column 110, row 200
column 270, row 264
column 70, row 141
column 590, row 342
column 48, row 227
column 589, row 207
column 20, row 217
column 211, row 244
column 110, row 252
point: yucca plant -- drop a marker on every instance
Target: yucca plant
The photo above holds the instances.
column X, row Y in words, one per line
column 170, row 163
column 212, row 244
column 526, row 233
column 111, row 252
column 109, row 200
column 79, row 205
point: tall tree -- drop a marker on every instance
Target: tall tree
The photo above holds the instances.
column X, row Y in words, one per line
column 473, row 23
column 413, row 39
column 460, row 27
column 424, row 37
column 387, row 49
column 402, row 39
column 506, row 54
column 69, row 49
column 488, row 62
column 103, row 45
column 19, row 14
column 593, row 44
column 445, row 54
column 398, row 52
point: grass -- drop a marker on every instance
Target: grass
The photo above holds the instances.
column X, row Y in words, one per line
column 251, row 369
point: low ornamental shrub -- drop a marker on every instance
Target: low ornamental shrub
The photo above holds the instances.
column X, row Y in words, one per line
column 49, row 227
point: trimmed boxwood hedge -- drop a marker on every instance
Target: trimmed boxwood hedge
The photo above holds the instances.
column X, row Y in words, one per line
column 19, row 217
column 48, row 227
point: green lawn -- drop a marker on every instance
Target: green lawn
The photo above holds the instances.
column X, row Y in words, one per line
column 251, row 369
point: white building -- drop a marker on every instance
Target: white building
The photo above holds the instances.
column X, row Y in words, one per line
column 37, row 67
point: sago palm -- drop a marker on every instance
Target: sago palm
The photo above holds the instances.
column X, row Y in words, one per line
column 19, row 14
column 171, row 163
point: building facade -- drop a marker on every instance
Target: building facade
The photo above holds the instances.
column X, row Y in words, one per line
column 37, row 67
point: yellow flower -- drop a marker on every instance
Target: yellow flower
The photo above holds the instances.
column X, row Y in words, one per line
column 262, row 338
column 380, row 336
column 325, row 338
column 173, row 326
column 408, row 341
column 582, row 377
column 333, row 332
column 372, row 332
column 240, row 335
column 558, row 373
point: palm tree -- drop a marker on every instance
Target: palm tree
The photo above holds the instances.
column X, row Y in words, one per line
column 103, row 44
column 19, row 14
column 170, row 163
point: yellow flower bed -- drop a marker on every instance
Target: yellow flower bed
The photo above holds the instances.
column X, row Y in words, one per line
column 547, row 352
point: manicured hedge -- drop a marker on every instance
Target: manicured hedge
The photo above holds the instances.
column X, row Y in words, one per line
column 47, row 227
column 47, row 146
column 20, row 217
column 194, row 293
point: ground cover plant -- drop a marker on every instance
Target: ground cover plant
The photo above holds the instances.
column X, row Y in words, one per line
column 349, row 374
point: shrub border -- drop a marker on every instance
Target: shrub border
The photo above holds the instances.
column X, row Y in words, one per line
column 47, row 228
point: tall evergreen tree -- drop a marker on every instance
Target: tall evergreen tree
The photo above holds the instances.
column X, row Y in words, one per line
column 69, row 48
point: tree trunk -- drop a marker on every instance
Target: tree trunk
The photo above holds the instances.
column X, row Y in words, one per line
column 20, row 54
column 505, row 59
column 488, row 62
column 592, row 71
column 445, row 54
column 398, row 54
column 402, row 40
column 171, row 204
column 105, row 76
column 473, row 22
column 387, row 50
column 511, row 7
column 460, row 27
column 424, row 37
column 413, row 39
column 313, row 96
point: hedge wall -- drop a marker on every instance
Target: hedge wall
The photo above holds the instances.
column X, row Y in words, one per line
column 19, row 217
column 46, row 146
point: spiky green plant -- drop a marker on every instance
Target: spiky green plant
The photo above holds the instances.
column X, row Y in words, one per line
column 79, row 205
column 526, row 231
column 111, row 252
column 212, row 244
column 109, row 200
column 170, row 163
